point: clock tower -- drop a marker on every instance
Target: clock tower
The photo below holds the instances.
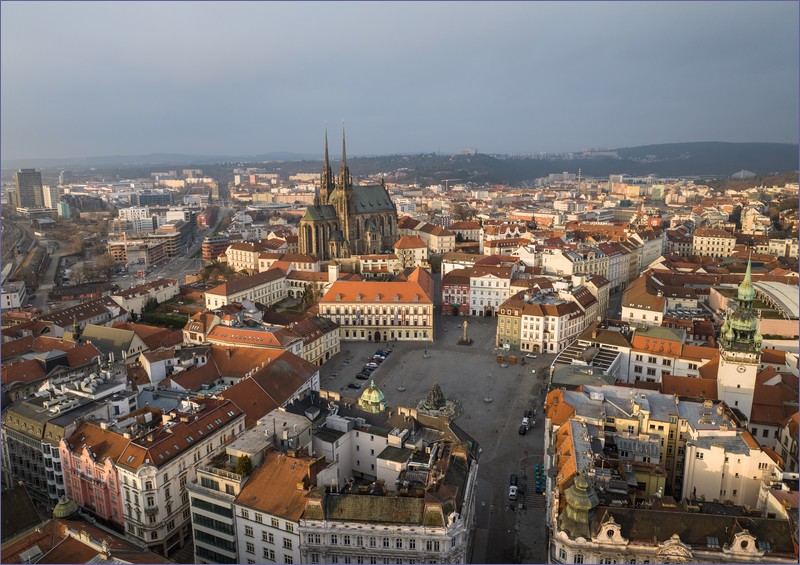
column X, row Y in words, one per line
column 740, row 350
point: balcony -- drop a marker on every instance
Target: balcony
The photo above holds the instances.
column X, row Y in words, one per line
column 151, row 510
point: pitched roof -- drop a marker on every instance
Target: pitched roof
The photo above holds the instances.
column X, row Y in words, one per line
column 273, row 487
column 374, row 292
column 245, row 283
column 410, row 242
column 689, row 387
column 154, row 337
column 161, row 448
column 101, row 443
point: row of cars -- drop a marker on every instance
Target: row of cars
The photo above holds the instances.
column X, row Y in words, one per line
column 366, row 372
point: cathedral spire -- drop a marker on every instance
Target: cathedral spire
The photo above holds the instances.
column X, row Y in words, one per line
column 344, row 175
column 326, row 179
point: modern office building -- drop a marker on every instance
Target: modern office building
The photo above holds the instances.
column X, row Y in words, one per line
column 30, row 193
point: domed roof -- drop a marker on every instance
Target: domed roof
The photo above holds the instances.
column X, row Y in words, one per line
column 743, row 320
column 66, row 508
column 372, row 395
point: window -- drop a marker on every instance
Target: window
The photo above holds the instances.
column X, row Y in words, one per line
column 287, row 559
column 245, row 514
column 264, row 536
column 698, row 455
column 289, row 527
column 250, row 547
column 259, row 517
column 578, row 558
column 412, row 544
column 248, row 531
column 269, row 554
column 287, row 543
column 385, row 542
column 334, row 539
column 345, row 540
column 637, row 369
column 398, row 543
column 275, row 523
column 562, row 554
column 314, row 557
column 651, row 371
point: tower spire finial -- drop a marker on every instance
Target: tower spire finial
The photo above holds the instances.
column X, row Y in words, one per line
column 344, row 152
column 327, row 162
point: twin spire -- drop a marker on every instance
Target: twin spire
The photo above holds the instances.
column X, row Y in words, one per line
column 327, row 184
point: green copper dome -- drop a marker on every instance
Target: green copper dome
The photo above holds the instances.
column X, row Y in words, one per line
column 66, row 508
column 372, row 399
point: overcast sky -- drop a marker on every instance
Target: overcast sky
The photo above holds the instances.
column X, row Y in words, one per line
column 94, row 78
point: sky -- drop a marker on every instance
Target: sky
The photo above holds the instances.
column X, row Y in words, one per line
column 80, row 79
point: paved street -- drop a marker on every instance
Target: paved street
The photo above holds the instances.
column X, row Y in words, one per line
column 492, row 400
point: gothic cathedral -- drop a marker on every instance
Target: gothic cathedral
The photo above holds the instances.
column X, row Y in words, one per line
column 347, row 220
column 740, row 350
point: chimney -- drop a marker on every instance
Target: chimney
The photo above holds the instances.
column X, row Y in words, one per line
column 594, row 334
column 228, row 352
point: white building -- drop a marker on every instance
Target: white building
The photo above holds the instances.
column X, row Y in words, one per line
column 14, row 296
column 155, row 468
column 266, row 288
column 489, row 287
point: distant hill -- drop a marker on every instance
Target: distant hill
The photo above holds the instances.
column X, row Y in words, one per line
column 703, row 159
column 176, row 159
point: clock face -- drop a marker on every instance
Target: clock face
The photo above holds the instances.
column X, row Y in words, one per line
column 741, row 368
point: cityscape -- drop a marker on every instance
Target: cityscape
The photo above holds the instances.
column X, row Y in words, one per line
column 398, row 339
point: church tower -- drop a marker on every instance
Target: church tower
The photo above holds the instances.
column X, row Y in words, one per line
column 326, row 178
column 740, row 350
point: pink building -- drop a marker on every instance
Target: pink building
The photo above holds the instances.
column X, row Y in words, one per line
column 90, row 477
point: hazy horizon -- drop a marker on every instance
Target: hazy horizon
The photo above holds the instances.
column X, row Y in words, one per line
column 86, row 79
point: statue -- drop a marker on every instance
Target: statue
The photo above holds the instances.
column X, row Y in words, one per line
column 435, row 398
column 465, row 339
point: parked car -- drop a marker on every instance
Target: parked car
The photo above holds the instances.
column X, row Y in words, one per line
column 512, row 492
column 372, row 365
column 523, row 430
column 354, row 385
column 528, row 414
column 512, row 480
column 532, row 356
column 526, row 422
column 363, row 376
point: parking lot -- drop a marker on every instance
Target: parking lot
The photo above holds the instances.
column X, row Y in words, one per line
column 491, row 401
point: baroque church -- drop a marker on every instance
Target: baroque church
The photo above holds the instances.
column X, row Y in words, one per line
column 347, row 220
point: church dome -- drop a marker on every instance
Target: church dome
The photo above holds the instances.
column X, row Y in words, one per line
column 66, row 508
column 372, row 399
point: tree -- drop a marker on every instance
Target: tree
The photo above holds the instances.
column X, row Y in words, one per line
column 463, row 212
column 150, row 305
column 244, row 466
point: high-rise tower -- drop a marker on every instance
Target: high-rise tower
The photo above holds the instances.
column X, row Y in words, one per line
column 30, row 193
column 740, row 350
